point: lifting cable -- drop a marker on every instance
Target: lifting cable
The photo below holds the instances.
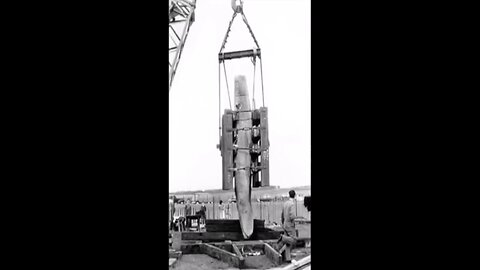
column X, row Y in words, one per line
column 254, row 61
column 228, row 31
column 261, row 75
column 219, row 107
column 222, row 60
column 226, row 81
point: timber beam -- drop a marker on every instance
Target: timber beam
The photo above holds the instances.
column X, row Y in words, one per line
column 223, row 255
column 233, row 236
column 272, row 254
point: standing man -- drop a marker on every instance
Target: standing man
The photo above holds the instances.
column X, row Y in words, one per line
column 288, row 221
column 288, row 215
column 221, row 210
column 188, row 212
column 227, row 211
column 172, row 213
column 188, row 209
column 203, row 212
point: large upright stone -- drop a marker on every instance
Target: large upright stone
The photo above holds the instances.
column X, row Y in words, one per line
column 242, row 159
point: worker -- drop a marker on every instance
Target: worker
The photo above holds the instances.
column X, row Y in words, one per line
column 221, row 210
column 181, row 223
column 288, row 221
column 171, row 205
column 288, row 214
column 307, row 202
column 203, row 212
column 188, row 212
column 188, row 209
column 227, row 211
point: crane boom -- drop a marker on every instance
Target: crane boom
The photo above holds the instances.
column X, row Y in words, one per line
column 181, row 17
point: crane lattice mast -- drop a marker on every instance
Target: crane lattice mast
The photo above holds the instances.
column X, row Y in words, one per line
column 181, row 17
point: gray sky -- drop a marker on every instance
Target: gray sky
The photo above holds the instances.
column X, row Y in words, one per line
column 282, row 29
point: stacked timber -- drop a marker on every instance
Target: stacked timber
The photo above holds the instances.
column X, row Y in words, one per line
column 228, row 229
column 230, row 225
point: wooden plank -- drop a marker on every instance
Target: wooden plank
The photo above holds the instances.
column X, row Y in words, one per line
column 191, row 248
column 234, row 236
column 256, row 222
column 228, row 228
column 272, row 254
column 230, row 225
column 237, row 251
column 304, row 262
column 223, row 255
column 212, row 236
column 264, row 235
column 251, row 244
column 174, row 254
column 228, row 246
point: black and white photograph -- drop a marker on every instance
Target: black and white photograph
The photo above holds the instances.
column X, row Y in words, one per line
column 239, row 134
column 266, row 101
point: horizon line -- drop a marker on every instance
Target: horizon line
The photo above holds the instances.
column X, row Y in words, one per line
column 207, row 190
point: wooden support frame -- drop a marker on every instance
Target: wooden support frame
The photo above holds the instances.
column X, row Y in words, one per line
column 272, row 254
column 223, row 255
column 301, row 264
column 237, row 251
column 228, row 250
column 171, row 262
column 255, row 244
column 233, row 236
column 231, row 225
column 174, row 254
column 190, row 248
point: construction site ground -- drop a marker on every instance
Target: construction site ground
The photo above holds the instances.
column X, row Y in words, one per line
column 204, row 262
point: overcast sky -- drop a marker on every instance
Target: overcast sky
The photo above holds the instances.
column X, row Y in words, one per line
column 282, row 29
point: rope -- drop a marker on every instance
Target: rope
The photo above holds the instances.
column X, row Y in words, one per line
column 254, row 63
column 219, row 107
column 249, row 29
column 254, row 69
column 226, row 81
column 228, row 30
column 261, row 74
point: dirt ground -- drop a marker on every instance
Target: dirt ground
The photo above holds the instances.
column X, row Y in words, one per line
column 205, row 262
column 200, row 262
column 258, row 262
column 300, row 253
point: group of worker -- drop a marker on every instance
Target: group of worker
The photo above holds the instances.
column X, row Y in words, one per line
column 183, row 220
column 224, row 210
column 288, row 216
